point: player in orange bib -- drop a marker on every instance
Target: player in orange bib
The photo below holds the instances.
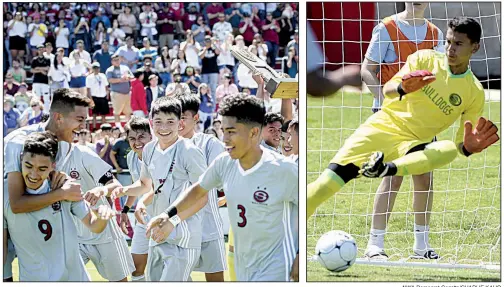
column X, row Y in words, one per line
column 393, row 40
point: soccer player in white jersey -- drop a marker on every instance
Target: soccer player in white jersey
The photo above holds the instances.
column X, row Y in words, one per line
column 138, row 134
column 213, row 253
column 67, row 116
column 170, row 164
column 46, row 239
column 263, row 210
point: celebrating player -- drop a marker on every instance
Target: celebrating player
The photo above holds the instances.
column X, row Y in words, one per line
column 393, row 40
column 213, row 254
column 262, row 209
column 138, row 134
column 170, row 163
column 46, row 239
column 418, row 105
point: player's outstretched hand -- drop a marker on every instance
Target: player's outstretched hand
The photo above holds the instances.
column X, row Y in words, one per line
column 416, row 80
column 159, row 228
column 295, row 269
column 71, row 191
column 105, row 212
column 140, row 212
column 483, row 136
column 92, row 196
column 57, row 179
column 124, row 222
column 118, row 192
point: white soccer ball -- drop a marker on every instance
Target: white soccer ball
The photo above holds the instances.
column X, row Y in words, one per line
column 336, row 250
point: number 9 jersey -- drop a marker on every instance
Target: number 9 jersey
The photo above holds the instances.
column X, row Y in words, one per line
column 46, row 240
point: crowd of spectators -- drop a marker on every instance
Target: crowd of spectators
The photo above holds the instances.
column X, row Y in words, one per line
column 125, row 55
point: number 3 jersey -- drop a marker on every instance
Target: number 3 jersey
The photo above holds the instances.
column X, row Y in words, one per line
column 46, row 240
column 172, row 171
column 263, row 212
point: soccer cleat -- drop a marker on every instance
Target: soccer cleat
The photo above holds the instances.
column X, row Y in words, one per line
column 376, row 254
column 374, row 167
column 429, row 254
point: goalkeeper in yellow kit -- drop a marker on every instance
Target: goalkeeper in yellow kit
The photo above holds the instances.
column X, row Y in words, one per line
column 430, row 92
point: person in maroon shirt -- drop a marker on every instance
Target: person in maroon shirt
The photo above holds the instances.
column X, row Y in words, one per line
column 213, row 11
column 51, row 13
column 167, row 29
column 190, row 17
column 270, row 30
column 10, row 88
column 248, row 29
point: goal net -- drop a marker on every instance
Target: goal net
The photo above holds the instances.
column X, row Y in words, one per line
column 465, row 219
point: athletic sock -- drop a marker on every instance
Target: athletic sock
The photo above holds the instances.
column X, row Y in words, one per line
column 138, row 278
column 421, row 244
column 377, row 238
column 326, row 185
column 435, row 155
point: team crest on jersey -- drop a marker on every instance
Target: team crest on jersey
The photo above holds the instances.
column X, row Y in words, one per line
column 74, row 174
column 455, row 100
column 261, row 196
column 56, row 206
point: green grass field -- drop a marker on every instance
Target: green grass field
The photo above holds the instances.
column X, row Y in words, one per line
column 465, row 223
column 95, row 276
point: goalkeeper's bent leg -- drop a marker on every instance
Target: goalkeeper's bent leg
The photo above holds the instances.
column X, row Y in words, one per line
column 435, row 155
column 327, row 184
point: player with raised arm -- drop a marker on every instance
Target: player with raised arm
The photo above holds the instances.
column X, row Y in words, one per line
column 430, row 92
column 46, row 239
column 138, row 135
column 169, row 164
column 262, row 209
column 212, row 260
column 393, row 40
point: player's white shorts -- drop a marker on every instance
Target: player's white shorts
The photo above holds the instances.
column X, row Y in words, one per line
column 112, row 260
column 169, row 262
column 213, row 257
column 11, row 254
column 139, row 242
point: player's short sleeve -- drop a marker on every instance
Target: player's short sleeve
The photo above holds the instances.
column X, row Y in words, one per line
column 315, row 55
column 291, row 178
column 440, row 47
column 79, row 209
column 380, row 40
column 94, row 165
column 473, row 111
column 148, row 150
column 12, row 156
column 215, row 148
column 212, row 177
column 194, row 161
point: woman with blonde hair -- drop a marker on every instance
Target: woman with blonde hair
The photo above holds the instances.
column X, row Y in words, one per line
column 32, row 115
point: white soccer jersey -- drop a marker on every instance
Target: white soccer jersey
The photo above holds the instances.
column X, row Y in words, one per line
column 135, row 167
column 212, row 222
column 46, row 241
column 87, row 168
column 263, row 212
column 174, row 169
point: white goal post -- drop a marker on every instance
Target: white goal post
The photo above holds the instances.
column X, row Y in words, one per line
column 465, row 227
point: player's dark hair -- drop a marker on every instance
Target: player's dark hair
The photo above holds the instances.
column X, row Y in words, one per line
column 190, row 102
column 42, row 143
column 295, row 123
column 246, row 109
column 285, row 126
column 166, row 105
column 468, row 26
column 106, row 127
column 270, row 118
column 65, row 100
column 137, row 124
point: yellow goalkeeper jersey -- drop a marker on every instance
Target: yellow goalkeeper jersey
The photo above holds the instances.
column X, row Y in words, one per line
column 434, row 108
